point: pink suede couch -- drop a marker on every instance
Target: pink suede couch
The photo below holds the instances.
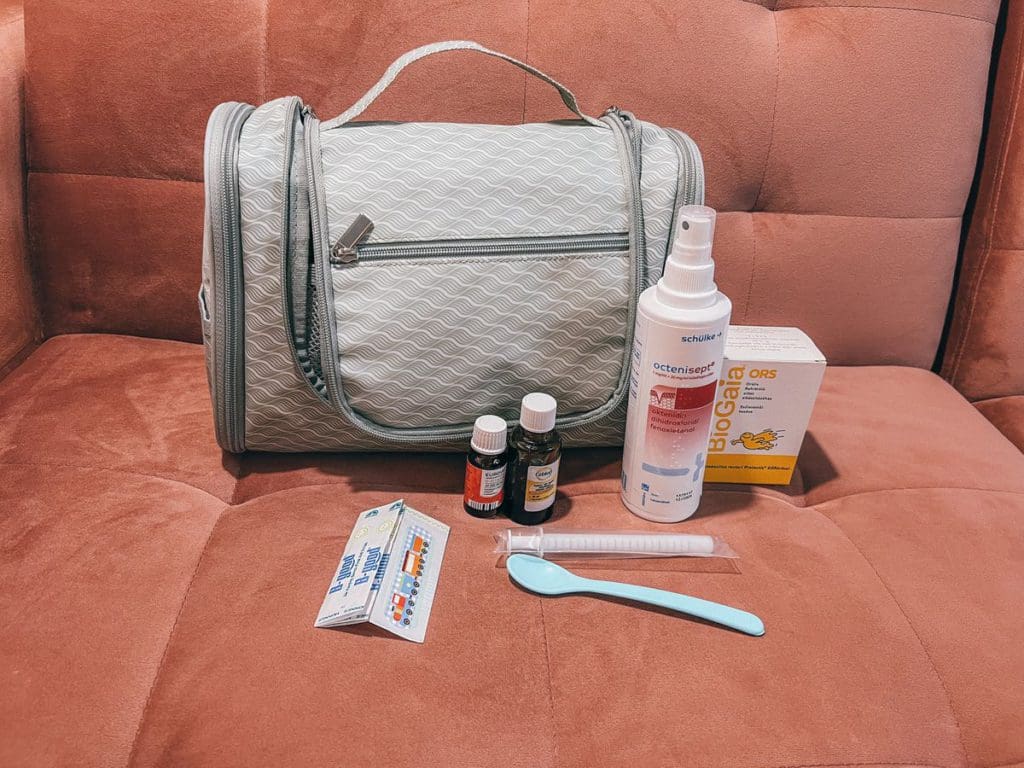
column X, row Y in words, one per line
column 157, row 596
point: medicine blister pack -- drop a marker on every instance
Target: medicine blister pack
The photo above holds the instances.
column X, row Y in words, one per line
column 388, row 573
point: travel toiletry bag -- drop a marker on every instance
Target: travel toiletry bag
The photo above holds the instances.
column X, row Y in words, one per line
column 379, row 285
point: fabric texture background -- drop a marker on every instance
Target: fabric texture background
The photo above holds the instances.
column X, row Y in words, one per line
column 158, row 594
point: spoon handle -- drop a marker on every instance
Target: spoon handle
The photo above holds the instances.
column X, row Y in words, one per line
column 692, row 606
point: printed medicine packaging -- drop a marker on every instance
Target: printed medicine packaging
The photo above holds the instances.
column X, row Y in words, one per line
column 388, row 573
column 769, row 381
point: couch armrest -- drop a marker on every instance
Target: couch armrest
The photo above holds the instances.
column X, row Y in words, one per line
column 19, row 323
column 985, row 349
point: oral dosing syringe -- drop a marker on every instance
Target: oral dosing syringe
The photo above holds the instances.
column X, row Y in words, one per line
column 535, row 541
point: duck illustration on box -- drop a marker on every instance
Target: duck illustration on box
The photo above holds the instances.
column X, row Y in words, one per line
column 762, row 441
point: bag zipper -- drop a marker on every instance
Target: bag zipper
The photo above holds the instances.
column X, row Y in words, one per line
column 620, row 122
column 348, row 249
column 229, row 322
column 693, row 170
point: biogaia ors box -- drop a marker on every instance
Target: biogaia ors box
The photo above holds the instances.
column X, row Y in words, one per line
column 769, row 381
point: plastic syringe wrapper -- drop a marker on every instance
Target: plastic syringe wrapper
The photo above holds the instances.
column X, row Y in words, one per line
column 554, row 544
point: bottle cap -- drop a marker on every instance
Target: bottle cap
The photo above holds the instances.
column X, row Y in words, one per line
column 538, row 413
column 489, row 435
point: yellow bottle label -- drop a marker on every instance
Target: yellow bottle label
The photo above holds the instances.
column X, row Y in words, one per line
column 541, row 484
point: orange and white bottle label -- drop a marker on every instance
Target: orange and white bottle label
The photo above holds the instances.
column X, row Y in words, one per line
column 485, row 488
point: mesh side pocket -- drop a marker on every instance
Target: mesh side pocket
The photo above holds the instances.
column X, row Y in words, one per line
column 308, row 344
column 315, row 331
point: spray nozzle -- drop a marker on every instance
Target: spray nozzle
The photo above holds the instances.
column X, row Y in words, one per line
column 695, row 231
column 689, row 278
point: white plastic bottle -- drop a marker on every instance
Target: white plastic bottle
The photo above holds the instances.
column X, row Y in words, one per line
column 677, row 354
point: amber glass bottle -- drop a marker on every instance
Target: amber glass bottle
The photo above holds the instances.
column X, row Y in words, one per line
column 534, row 453
column 484, row 490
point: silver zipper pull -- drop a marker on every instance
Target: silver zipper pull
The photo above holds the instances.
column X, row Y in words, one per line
column 344, row 249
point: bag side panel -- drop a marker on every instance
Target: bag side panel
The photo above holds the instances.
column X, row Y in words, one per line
column 281, row 414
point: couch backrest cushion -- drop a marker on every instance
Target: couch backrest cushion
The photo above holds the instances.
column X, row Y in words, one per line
column 985, row 349
column 19, row 327
column 839, row 137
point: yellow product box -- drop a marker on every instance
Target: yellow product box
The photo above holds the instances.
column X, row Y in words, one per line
column 766, row 392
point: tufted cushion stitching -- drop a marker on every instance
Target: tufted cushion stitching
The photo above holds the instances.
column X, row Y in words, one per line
column 771, row 128
column 58, row 172
column 1004, row 151
column 935, row 11
column 152, row 475
column 931, row 662
column 170, row 637
column 753, row 263
column 526, row 58
column 261, row 84
column 999, row 399
column 551, row 690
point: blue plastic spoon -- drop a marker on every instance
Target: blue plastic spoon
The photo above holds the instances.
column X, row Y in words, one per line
column 547, row 578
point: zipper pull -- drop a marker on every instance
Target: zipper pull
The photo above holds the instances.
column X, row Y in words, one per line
column 344, row 249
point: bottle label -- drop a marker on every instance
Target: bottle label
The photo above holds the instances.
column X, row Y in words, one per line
column 541, row 484
column 671, row 401
column 485, row 488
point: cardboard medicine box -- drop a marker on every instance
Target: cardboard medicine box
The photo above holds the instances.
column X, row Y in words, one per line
column 770, row 379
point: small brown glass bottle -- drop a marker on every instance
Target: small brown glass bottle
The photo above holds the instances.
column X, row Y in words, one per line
column 534, row 452
column 484, row 491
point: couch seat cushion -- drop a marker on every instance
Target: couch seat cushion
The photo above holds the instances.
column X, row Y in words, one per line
column 171, row 590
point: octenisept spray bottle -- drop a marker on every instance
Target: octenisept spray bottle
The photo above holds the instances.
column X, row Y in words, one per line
column 677, row 353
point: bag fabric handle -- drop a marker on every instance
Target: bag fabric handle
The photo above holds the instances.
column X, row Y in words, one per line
column 450, row 45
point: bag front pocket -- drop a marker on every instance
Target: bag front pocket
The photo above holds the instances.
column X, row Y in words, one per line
column 433, row 334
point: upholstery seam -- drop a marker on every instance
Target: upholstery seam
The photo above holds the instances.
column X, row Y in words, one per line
column 151, row 476
column 917, row 635
column 765, row 212
column 788, row 501
column 889, row 8
column 753, row 269
column 1004, row 151
column 526, row 58
column 234, row 501
column 371, row 487
column 775, row 107
column 170, row 637
column 996, row 399
column 20, row 18
column 551, row 685
column 1012, row 764
column 265, row 47
column 379, row 487
column 920, row 488
column 749, row 212
column 771, row 497
column 126, row 177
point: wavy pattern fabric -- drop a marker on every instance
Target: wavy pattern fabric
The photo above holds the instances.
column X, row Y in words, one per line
column 473, row 336
column 433, row 181
column 428, row 342
column 281, row 413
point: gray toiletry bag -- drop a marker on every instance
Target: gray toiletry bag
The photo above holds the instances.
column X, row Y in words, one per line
column 377, row 286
